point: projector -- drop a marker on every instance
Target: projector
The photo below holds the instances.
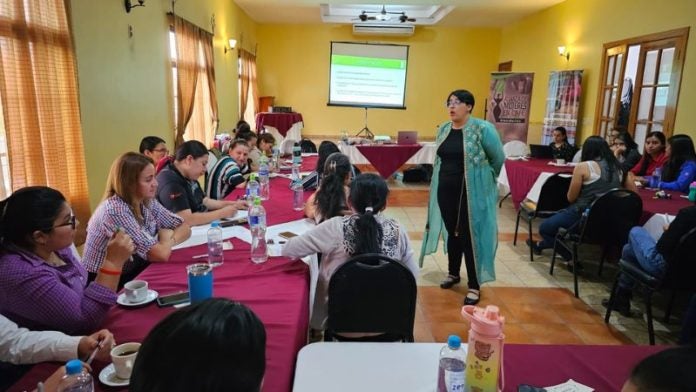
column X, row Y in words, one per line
column 281, row 109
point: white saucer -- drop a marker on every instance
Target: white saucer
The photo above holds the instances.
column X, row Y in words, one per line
column 151, row 296
column 108, row 377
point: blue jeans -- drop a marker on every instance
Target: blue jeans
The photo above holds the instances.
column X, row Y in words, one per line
column 562, row 219
column 641, row 250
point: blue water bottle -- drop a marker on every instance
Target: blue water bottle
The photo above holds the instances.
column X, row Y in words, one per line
column 200, row 281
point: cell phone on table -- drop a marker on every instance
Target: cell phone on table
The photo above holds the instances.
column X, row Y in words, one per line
column 232, row 222
column 287, row 235
column 173, row 299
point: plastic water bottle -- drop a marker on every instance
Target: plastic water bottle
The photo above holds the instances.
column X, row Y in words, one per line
column 451, row 377
column 692, row 192
column 275, row 159
column 76, row 378
column 297, row 189
column 215, row 254
column 257, row 224
column 252, row 188
column 656, row 178
column 264, row 183
column 486, row 339
column 296, row 154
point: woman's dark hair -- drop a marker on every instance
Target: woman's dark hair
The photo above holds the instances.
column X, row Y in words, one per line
column 681, row 150
column 326, row 148
column 596, row 148
column 246, row 134
column 331, row 198
column 214, row 346
column 670, row 370
column 149, row 143
column 368, row 196
column 266, row 138
column 627, row 139
column 26, row 211
column 464, row 96
column 241, row 124
column 647, row 159
column 563, row 132
column 192, row 147
column 241, row 129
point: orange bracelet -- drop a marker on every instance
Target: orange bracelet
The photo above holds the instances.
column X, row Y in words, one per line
column 109, row 272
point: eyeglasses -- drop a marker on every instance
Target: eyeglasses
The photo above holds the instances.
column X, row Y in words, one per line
column 72, row 222
column 164, row 150
column 453, row 103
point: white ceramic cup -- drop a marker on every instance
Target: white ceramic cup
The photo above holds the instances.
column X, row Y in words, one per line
column 560, row 161
column 136, row 290
column 123, row 358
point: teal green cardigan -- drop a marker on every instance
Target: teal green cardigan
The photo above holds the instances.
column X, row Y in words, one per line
column 483, row 159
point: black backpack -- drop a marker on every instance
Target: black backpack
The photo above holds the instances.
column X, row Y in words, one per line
column 307, row 145
column 420, row 173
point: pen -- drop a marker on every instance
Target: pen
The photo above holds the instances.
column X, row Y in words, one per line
column 94, row 352
column 199, row 256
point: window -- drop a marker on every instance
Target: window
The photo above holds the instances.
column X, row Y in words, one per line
column 640, row 84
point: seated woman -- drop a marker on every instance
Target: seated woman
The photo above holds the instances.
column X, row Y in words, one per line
column 228, row 173
column 214, row 346
column 130, row 205
column 560, row 147
column 43, row 284
column 652, row 256
column 326, row 148
column 653, row 156
column 341, row 237
column 264, row 146
column 154, row 148
column 626, row 151
column 330, row 199
column 680, row 169
column 597, row 173
column 178, row 189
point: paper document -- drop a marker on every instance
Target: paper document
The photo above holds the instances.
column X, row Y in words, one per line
column 199, row 234
column 569, row 386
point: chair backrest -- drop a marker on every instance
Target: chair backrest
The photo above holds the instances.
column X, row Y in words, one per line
column 372, row 293
column 577, row 156
column 308, row 146
column 611, row 216
column 681, row 266
column 515, row 148
column 554, row 193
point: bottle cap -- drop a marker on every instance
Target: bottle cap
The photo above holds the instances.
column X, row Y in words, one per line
column 252, row 176
column 215, row 223
column 257, row 201
column 74, row 366
column 454, row 341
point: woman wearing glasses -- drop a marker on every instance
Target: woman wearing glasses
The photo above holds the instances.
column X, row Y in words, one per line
column 130, row 205
column 154, row 147
column 43, row 285
column 463, row 195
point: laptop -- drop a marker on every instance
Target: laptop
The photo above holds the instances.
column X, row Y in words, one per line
column 407, row 137
column 541, row 151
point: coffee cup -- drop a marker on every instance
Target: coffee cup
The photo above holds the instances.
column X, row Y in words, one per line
column 136, row 290
column 560, row 161
column 123, row 358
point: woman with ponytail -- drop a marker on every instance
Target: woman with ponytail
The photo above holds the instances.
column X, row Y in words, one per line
column 365, row 230
column 330, row 199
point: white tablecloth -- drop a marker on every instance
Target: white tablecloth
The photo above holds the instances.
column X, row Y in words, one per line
column 425, row 155
column 294, row 133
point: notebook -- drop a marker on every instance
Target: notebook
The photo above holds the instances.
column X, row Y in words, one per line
column 407, row 137
column 540, row 151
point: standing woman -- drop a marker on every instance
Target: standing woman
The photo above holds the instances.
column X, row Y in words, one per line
column 463, row 195
column 130, row 205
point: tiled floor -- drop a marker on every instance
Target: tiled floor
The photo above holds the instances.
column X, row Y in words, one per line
column 539, row 308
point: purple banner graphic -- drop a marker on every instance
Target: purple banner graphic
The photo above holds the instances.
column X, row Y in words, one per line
column 509, row 100
column 562, row 104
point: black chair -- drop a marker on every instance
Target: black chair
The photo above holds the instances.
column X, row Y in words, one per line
column 605, row 223
column 553, row 197
column 679, row 276
column 308, row 146
column 371, row 293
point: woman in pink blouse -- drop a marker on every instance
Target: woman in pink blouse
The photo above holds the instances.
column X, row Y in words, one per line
column 130, row 205
column 43, row 285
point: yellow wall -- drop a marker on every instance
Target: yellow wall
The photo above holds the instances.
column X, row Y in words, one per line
column 125, row 83
column 583, row 26
column 293, row 66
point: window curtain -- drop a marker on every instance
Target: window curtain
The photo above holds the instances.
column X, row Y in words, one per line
column 197, row 114
column 248, row 82
column 39, row 91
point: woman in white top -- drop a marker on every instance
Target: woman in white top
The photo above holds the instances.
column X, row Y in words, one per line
column 341, row 237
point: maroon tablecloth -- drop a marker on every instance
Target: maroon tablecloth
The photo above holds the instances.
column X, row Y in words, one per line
column 604, row 368
column 653, row 206
column 390, row 157
column 281, row 121
column 523, row 174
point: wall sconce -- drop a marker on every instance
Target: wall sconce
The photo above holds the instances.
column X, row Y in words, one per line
column 129, row 5
column 232, row 44
column 563, row 53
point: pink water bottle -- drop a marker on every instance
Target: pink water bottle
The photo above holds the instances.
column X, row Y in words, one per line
column 485, row 350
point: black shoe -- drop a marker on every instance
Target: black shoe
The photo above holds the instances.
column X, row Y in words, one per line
column 450, row 281
column 623, row 306
column 535, row 246
column 472, row 297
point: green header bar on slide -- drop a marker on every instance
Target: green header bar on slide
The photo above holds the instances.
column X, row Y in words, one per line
column 356, row 61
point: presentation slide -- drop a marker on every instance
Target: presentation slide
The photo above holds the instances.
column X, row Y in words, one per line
column 368, row 75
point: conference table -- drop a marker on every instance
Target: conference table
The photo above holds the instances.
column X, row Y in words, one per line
column 365, row 367
column 281, row 125
column 278, row 291
column 388, row 158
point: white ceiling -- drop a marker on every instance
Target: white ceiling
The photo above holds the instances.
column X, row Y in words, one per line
column 465, row 13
